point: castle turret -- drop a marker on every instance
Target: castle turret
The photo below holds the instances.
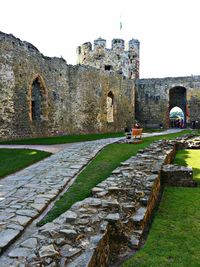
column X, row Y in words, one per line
column 83, row 52
column 118, row 45
column 116, row 59
column 134, row 58
column 134, row 46
column 99, row 43
column 99, row 48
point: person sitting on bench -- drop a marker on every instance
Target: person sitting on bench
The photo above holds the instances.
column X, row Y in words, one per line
column 127, row 131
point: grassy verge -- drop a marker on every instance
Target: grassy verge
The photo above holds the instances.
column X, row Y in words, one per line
column 69, row 138
column 12, row 160
column 190, row 157
column 174, row 239
column 62, row 139
column 98, row 170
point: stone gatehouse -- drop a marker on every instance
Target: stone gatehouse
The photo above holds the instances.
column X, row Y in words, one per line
column 156, row 97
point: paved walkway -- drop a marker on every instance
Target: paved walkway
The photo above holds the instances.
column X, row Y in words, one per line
column 24, row 195
column 169, row 131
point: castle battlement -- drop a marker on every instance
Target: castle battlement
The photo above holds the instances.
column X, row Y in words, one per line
column 117, row 58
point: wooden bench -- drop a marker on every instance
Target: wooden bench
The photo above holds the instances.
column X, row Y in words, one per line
column 136, row 135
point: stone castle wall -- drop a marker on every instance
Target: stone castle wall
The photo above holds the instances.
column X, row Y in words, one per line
column 42, row 95
column 153, row 101
column 117, row 59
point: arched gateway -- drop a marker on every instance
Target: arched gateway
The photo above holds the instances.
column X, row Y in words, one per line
column 177, row 98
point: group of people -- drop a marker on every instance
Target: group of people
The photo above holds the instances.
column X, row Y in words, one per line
column 177, row 123
column 180, row 123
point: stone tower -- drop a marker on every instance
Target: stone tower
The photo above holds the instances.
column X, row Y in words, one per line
column 117, row 59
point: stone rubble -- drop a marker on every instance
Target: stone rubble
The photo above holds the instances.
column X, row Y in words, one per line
column 192, row 143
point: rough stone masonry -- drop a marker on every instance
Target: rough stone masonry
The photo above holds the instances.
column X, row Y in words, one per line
column 44, row 96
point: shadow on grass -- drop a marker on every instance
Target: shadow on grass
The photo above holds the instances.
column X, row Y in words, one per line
column 181, row 157
column 190, row 157
column 196, row 175
column 12, row 160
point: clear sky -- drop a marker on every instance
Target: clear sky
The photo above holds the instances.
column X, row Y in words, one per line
column 168, row 30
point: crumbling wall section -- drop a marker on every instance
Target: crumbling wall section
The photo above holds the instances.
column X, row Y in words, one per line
column 74, row 96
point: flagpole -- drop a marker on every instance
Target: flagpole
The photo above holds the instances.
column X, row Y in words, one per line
column 120, row 24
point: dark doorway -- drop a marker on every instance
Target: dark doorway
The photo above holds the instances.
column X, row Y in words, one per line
column 177, row 98
column 36, row 100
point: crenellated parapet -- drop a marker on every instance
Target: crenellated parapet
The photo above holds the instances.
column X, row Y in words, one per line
column 117, row 58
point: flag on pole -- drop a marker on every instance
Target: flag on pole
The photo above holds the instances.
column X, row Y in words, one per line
column 120, row 26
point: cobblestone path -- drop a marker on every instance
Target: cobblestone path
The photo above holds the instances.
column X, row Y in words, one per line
column 25, row 194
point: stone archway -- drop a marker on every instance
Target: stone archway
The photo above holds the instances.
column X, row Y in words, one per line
column 177, row 98
column 38, row 105
column 176, row 118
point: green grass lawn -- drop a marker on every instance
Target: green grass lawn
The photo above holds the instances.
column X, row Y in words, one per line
column 190, row 157
column 69, row 138
column 62, row 139
column 174, row 239
column 12, row 160
column 98, row 170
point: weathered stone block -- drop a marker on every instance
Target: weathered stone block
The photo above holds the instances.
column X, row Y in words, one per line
column 175, row 175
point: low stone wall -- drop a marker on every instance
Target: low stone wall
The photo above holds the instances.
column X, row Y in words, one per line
column 175, row 175
column 188, row 141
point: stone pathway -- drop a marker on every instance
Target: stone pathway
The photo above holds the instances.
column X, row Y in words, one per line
column 24, row 195
column 168, row 131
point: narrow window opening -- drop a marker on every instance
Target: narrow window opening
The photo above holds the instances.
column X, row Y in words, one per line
column 108, row 67
column 38, row 100
column 110, row 100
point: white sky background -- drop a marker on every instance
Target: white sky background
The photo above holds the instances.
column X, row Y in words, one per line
column 168, row 30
